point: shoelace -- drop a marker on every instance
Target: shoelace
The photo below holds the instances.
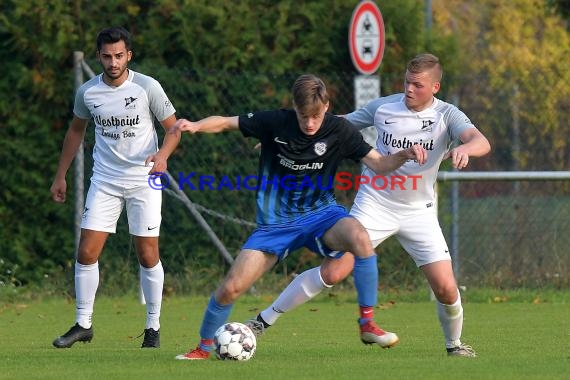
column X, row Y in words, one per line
column 152, row 333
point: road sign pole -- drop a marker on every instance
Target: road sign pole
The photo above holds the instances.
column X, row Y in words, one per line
column 366, row 43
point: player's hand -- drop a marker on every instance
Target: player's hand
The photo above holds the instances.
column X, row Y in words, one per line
column 157, row 163
column 417, row 152
column 459, row 157
column 184, row 125
column 58, row 190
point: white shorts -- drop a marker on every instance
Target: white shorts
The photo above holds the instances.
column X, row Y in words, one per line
column 418, row 232
column 105, row 201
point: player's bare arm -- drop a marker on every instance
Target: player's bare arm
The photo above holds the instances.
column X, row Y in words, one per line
column 211, row 124
column 169, row 144
column 383, row 165
column 474, row 144
column 73, row 139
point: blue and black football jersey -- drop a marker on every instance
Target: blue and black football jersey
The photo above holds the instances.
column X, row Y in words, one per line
column 296, row 171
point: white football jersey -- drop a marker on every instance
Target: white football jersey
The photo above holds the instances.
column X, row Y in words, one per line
column 410, row 187
column 124, row 124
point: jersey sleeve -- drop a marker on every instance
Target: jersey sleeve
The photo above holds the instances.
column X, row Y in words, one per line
column 159, row 103
column 258, row 124
column 353, row 144
column 79, row 108
column 457, row 122
column 364, row 117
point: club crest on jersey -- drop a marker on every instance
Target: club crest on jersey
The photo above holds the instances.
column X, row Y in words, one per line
column 320, row 148
column 426, row 125
column 129, row 102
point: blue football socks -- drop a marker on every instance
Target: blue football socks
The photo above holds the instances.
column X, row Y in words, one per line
column 366, row 280
column 215, row 316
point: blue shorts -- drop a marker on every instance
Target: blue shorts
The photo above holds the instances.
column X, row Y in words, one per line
column 306, row 231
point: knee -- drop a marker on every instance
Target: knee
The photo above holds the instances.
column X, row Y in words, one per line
column 228, row 292
column 333, row 277
column 148, row 254
column 333, row 272
column 362, row 244
column 86, row 256
column 149, row 261
column 447, row 294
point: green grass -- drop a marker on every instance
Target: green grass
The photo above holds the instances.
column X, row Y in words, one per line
column 514, row 339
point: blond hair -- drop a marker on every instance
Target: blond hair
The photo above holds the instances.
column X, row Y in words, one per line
column 426, row 62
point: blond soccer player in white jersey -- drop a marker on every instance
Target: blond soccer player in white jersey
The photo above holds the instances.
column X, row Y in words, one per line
column 403, row 204
column 123, row 105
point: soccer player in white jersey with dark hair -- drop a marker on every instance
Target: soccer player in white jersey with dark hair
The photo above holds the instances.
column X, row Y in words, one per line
column 123, row 105
column 408, row 212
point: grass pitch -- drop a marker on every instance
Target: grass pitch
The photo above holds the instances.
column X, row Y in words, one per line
column 319, row 340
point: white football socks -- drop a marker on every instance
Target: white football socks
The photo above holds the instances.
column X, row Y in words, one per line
column 305, row 286
column 451, row 320
column 152, row 282
column 86, row 284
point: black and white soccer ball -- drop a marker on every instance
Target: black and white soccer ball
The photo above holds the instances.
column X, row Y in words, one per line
column 234, row 341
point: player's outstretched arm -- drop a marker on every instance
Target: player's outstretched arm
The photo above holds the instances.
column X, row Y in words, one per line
column 211, row 124
column 383, row 165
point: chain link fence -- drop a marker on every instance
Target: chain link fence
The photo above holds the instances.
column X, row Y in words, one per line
column 504, row 233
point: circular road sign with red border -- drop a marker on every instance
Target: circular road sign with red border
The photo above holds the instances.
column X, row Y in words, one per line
column 366, row 37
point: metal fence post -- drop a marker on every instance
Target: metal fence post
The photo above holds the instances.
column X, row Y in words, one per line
column 78, row 176
column 454, row 239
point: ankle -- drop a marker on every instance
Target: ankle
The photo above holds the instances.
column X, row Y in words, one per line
column 206, row 344
column 366, row 314
column 259, row 318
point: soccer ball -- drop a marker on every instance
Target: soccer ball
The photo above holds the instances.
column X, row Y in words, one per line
column 234, row 341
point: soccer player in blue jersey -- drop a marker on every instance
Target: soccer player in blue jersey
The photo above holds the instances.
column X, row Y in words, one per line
column 299, row 148
column 123, row 105
column 413, row 117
